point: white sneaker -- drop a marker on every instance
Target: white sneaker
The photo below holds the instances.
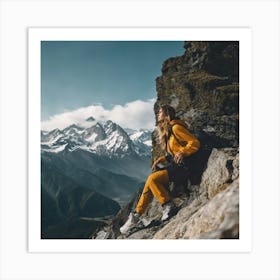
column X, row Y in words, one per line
column 169, row 210
column 132, row 220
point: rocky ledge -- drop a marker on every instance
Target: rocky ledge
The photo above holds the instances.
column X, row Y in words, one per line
column 208, row 210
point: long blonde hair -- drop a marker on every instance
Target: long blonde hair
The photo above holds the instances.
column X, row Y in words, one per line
column 163, row 127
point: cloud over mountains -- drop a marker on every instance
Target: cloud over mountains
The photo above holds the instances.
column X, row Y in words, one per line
column 136, row 114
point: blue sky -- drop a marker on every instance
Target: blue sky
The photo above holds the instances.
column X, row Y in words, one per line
column 108, row 76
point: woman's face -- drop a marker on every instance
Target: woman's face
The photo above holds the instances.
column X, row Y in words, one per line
column 161, row 115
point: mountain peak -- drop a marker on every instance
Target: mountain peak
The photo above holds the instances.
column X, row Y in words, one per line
column 90, row 119
column 109, row 122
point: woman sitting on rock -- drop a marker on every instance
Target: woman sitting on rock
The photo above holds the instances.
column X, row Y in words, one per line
column 179, row 144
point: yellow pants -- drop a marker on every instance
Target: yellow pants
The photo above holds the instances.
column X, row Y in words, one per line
column 155, row 185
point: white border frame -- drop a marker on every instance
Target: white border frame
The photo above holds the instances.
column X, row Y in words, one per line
column 263, row 16
column 243, row 35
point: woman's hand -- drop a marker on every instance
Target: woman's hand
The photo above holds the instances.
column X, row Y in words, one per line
column 178, row 158
column 155, row 164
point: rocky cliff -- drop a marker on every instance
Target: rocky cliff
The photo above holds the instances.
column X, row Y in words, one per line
column 203, row 86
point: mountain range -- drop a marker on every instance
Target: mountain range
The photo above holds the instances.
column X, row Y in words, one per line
column 108, row 139
column 89, row 172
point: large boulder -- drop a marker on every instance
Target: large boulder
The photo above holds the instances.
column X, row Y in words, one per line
column 222, row 169
column 218, row 218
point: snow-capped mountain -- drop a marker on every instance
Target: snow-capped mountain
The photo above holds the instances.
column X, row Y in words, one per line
column 142, row 135
column 102, row 139
column 142, row 140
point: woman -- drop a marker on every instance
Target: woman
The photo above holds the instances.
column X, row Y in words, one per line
column 179, row 144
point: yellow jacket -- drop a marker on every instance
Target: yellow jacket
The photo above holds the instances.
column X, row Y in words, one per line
column 181, row 140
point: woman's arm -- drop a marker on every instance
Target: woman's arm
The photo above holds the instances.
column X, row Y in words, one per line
column 189, row 143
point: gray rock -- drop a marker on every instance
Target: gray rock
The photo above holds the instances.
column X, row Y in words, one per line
column 222, row 168
column 219, row 218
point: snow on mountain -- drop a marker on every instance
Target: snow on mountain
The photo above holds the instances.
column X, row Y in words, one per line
column 143, row 136
column 72, row 130
column 108, row 139
column 94, row 133
column 142, row 141
column 51, row 137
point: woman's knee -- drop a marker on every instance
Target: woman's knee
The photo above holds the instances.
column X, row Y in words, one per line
column 158, row 177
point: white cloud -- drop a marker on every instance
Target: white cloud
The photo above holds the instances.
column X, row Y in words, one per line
column 135, row 115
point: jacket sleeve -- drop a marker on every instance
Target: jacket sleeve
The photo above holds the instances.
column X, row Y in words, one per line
column 189, row 143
